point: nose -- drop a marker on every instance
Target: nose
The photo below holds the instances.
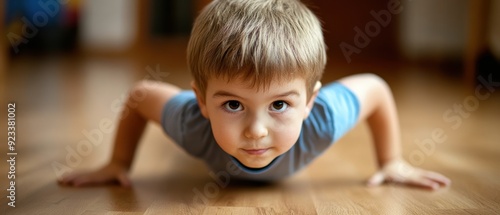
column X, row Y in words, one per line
column 256, row 128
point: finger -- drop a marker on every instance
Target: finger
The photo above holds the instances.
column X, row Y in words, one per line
column 68, row 179
column 82, row 181
column 441, row 179
column 376, row 179
column 424, row 182
column 123, row 179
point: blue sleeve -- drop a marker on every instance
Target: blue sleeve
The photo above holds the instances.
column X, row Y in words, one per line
column 343, row 107
column 173, row 114
column 182, row 120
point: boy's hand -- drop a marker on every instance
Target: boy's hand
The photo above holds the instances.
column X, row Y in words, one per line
column 107, row 174
column 401, row 172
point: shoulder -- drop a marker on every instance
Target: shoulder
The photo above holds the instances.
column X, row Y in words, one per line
column 181, row 99
column 339, row 106
column 182, row 119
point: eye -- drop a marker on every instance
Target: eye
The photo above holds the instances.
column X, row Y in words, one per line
column 279, row 106
column 233, row 106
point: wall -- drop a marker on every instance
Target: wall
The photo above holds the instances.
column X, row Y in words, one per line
column 494, row 28
column 108, row 25
column 434, row 29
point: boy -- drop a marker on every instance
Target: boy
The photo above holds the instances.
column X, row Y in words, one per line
column 257, row 104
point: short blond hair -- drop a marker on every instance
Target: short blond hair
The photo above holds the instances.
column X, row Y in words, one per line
column 257, row 40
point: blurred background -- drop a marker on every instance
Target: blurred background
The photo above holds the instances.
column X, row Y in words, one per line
column 68, row 65
column 456, row 33
column 449, row 32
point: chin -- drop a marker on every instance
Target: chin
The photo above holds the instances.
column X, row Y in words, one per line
column 257, row 165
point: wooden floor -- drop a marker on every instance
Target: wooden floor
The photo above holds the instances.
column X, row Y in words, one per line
column 61, row 99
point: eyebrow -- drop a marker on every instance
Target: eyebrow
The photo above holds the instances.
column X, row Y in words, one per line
column 223, row 93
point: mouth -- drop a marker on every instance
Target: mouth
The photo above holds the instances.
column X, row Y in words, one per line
column 256, row 151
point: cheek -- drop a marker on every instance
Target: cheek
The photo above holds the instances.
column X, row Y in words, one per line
column 287, row 133
column 225, row 132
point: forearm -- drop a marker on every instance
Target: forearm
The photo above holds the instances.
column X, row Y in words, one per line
column 130, row 129
column 384, row 126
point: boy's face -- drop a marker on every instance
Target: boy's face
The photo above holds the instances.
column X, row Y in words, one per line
column 254, row 126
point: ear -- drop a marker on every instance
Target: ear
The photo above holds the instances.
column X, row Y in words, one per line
column 200, row 98
column 310, row 103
